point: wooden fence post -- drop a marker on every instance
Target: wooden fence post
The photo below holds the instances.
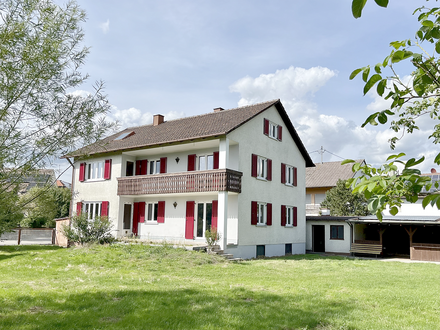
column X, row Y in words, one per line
column 19, row 236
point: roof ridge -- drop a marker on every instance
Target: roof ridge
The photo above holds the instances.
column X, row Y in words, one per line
column 204, row 114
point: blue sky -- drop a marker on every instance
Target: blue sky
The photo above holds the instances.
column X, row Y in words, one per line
column 182, row 58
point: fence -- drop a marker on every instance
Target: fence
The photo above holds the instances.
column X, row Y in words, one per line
column 27, row 236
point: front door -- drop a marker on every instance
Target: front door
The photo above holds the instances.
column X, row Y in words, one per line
column 318, row 239
column 204, row 218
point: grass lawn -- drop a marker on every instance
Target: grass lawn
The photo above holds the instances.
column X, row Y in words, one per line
column 142, row 287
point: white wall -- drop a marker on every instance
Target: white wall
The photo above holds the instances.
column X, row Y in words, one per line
column 415, row 209
column 252, row 141
column 331, row 245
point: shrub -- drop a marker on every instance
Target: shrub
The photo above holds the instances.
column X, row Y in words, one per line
column 83, row 230
column 212, row 236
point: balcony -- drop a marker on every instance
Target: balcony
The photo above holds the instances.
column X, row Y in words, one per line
column 174, row 183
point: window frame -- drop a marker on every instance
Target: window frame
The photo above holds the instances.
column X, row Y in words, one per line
column 85, row 207
column 154, row 212
column 339, row 230
column 262, row 167
column 273, row 130
column 289, row 216
column 94, row 171
column 261, row 218
column 155, row 166
column 206, row 158
column 290, row 175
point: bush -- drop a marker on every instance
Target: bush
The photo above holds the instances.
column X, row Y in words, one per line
column 212, row 236
column 83, row 231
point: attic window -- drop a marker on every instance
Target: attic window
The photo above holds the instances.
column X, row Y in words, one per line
column 124, row 135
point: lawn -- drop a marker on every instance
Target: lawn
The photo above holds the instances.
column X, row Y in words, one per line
column 142, row 287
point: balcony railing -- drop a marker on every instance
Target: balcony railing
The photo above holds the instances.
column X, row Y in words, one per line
column 172, row 183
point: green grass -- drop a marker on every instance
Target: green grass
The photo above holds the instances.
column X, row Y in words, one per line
column 142, row 287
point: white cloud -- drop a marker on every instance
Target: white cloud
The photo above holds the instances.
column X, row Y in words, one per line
column 134, row 117
column 105, row 27
column 296, row 87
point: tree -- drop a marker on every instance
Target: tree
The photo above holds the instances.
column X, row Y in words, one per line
column 40, row 115
column 341, row 201
column 411, row 99
column 44, row 204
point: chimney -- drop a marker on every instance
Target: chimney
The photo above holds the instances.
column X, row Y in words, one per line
column 218, row 109
column 433, row 170
column 157, row 120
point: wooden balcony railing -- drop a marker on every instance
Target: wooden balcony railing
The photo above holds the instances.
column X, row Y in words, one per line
column 172, row 183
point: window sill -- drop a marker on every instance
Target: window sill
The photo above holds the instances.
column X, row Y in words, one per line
column 336, row 239
column 147, row 222
column 261, row 178
column 288, row 226
column 261, row 225
column 95, row 180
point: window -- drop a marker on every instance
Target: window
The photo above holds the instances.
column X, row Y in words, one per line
column 94, row 209
column 289, row 216
column 155, row 167
column 272, row 130
column 261, row 167
column 95, row 170
column 336, row 232
column 288, row 248
column 261, row 251
column 288, row 175
column 206, row 162
column 152, row 210
column 261, row 213
column 129, row 170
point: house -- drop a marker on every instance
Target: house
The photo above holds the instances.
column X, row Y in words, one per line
column 40, row 178
column 241, row 171
column 325, row 233
column 322, row 178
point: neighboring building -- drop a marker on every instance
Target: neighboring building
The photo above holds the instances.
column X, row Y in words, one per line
column 413, row 232
column 63, row 184
column 240, row 170
column 40, row 178
column 322, row 178
column 326, row 233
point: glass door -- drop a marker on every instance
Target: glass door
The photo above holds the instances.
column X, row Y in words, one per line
column 204, row 217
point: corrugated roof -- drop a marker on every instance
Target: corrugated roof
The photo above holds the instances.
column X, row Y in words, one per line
column 327, row 174
column 190, row 128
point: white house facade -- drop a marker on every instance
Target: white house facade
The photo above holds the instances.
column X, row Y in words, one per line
column 241, row 171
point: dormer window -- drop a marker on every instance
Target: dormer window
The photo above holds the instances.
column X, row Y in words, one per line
column 272, row 130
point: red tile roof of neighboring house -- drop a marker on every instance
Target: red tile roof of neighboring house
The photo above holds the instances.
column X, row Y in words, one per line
column 327, row 174
column 210, row 125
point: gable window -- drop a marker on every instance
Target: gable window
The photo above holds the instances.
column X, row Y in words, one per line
column 261, row 167
column 272, row 130
column 336, row 232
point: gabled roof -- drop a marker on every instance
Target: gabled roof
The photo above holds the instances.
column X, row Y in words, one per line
column 210, row 125
column 328, row 174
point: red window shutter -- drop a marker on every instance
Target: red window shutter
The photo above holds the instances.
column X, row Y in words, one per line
column 141, row 211
column 269, row 170
column 82, row 171
column 269, row 214
column 189, row 225
column 144, row 164
column 283, row 215
column 254, row 211
column 135, row 218
column 295, row 216
column 280, row 132
column 283, row 173
column 192, row 162
column 266, row 126
column 163, row 165
column 107, row 169
column 295, row 176
column 254, row 165
column 104, row 209
column 138, row 167
column 79, row 206
column 214, row 218
column 216, row 160
column 161, row 212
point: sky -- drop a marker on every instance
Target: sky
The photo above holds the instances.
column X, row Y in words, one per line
column 183, row 58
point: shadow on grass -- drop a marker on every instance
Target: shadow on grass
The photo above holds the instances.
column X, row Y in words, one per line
column 236, row 308
column 23, row 248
